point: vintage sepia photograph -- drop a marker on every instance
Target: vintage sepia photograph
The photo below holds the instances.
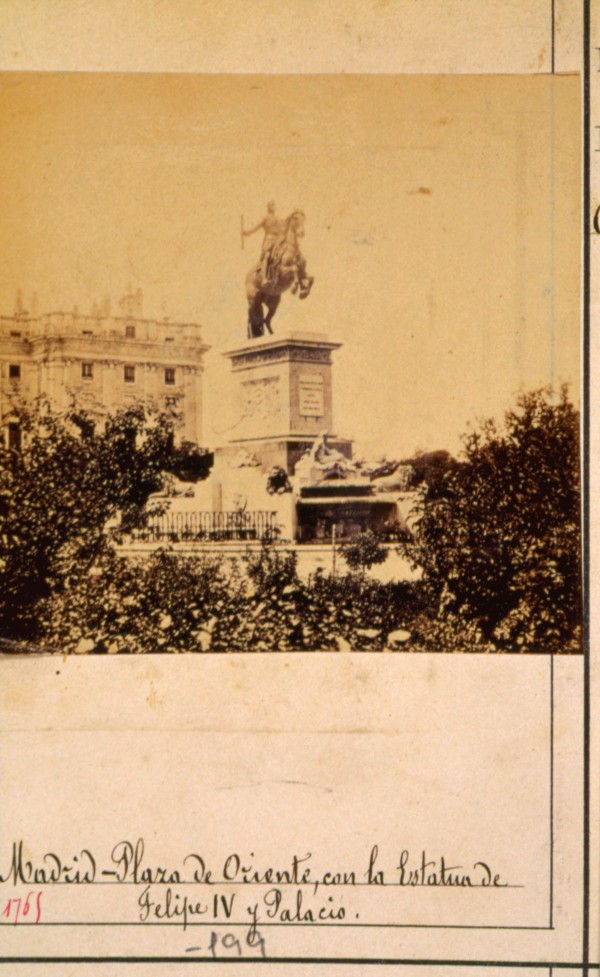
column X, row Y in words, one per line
column 290, row 364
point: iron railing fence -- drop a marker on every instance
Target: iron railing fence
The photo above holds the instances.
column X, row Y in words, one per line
column 231, row 526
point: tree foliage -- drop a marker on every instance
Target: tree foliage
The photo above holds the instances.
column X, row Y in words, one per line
column 499, row 541
column 429, row 469
column 58, row 493
column 190, row 463
column 363, row 550
column 167, row 603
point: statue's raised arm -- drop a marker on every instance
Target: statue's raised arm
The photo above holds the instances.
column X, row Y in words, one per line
column 281, row 266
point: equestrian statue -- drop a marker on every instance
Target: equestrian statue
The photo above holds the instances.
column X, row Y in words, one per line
column 281, row 266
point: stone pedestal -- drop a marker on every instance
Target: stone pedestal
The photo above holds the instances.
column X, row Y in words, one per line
column 284, row 391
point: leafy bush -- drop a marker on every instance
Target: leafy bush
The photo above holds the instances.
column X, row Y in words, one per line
column 170, row 603
column 162, row 603
column 270, row 569
column 499, row 540
column 190, row 463
column 363, row 551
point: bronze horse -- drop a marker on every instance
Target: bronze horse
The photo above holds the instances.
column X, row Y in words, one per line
column 287, row 269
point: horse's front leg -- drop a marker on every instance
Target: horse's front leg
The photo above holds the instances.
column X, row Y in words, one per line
column 305, row 286
column 297, row 277
column 302, row 281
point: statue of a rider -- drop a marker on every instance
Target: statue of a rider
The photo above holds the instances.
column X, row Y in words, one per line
column 273, row 228
column 281, row 267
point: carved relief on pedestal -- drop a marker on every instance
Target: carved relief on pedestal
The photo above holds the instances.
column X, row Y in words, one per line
column 262, row 398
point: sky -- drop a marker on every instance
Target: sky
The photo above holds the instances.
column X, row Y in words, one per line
column 442, row 226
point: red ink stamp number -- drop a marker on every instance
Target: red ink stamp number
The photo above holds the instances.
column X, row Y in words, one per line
column 27, row 910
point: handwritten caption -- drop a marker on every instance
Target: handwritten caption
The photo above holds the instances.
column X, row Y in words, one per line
column 268, row 894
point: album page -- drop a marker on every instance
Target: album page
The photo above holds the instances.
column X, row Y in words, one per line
column 298, row 352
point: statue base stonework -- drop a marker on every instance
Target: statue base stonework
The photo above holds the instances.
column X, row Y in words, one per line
column 284, row 391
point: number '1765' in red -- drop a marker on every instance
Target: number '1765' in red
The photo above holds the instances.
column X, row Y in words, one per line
column 24, row 910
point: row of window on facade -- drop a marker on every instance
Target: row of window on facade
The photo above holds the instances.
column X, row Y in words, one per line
column 87, row 373
column 129, row 334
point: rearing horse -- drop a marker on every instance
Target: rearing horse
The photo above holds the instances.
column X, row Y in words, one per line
column 287, row 269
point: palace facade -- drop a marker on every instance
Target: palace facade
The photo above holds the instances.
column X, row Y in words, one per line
column 102, row 362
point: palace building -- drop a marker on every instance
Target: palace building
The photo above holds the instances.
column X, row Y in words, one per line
column 102, row 362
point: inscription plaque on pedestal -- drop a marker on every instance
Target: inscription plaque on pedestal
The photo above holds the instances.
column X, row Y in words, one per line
column 311, row 395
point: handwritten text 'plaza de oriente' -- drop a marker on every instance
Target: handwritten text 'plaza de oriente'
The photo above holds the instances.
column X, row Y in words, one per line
column 294, row 892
